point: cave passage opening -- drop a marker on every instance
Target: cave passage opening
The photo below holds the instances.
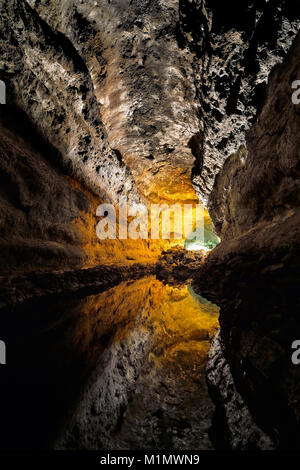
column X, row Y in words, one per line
column 209, row 240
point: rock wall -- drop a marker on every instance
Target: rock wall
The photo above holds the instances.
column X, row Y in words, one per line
column 48, row 78
column 234, row 46
column 253, row 275
column 141, row 97
column 48, row 220
column 109, row 87
column 38, row 205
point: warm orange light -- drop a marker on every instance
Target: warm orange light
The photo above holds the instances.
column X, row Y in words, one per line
column 173, row 318
column 126, row 251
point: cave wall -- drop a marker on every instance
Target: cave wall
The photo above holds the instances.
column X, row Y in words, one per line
column 107, row 84
column 48, row 219
column 38, row 205
column 152, row 100
column 234, row 46
column 254, row 273
column 141, row 97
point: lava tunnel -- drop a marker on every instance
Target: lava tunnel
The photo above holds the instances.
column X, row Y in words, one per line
column 149, row 228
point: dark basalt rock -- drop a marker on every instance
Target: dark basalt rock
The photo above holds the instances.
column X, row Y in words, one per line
column 234, row 46
column 34, row 286
column 233, row 424
column 178, row 265
column 254, row 274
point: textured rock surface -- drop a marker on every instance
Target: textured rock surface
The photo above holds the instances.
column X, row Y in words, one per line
column 257, row 193
column 141, row 100
column 109, row 87
column 253, row 275
column 38, row 205
column 234, row 46
column 177, row 264
column 48, row 78
column 139, row 97
column 48, row 220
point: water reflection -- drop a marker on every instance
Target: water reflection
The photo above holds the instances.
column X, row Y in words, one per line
column 123, row 369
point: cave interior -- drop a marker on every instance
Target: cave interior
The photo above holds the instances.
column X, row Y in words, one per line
column 166, row 343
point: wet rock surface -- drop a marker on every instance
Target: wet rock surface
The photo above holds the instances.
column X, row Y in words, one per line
column 15, row 291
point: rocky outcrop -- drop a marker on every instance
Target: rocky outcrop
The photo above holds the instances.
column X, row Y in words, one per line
column 178, row 265
column 253, row 275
